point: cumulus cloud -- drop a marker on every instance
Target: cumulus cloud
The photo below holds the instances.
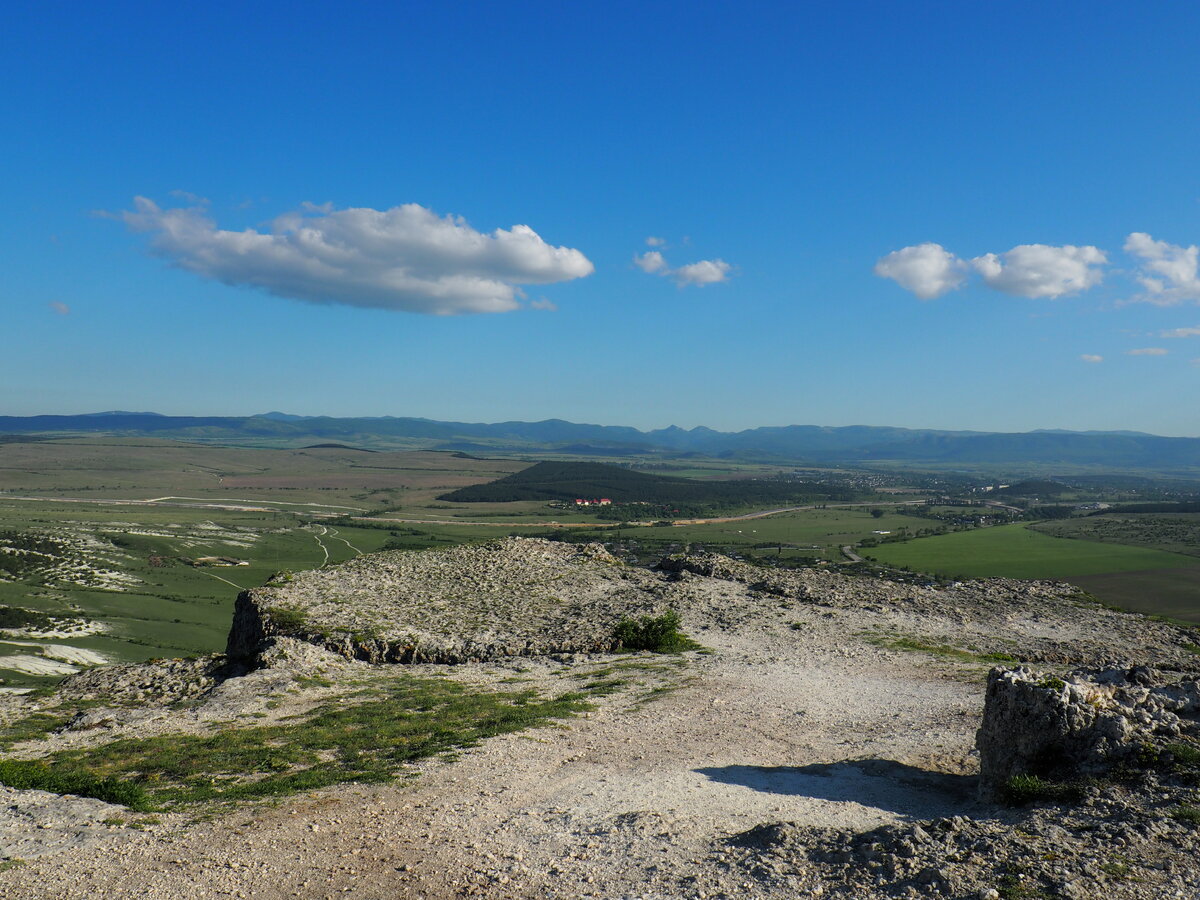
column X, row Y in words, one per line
column 699, row 273
column 544, row 304
column 405, row 258
column 61, row 308
column 1028, row 270
column 1148, row 351
column 650, row 261
column 928, row 270
column 1091, row 358
column 1039, row 270
column 653, row 241
column 705, row 271
column 1180, row 333
column 1168, row 272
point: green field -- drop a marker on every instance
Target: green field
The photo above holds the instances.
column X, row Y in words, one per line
column 1015, row 551
column 1162, row 592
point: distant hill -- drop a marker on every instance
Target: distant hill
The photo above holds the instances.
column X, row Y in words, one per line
column 805, row 444
column 584, row 480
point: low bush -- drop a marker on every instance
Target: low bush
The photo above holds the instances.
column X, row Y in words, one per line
column 658, row 634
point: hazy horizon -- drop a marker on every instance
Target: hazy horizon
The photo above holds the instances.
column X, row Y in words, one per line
column 611, row 424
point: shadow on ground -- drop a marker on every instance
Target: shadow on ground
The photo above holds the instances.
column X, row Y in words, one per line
column 879, row 783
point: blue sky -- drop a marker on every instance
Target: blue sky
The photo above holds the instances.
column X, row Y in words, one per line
column 785, row 156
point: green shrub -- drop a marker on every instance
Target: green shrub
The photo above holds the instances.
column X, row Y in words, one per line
column 1184, row 756
column 658, row 634
column 287, row 618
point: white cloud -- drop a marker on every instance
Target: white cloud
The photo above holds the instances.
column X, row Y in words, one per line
column 1148, row 351
column 651, row 261
column 1180, row 333
column 699, row 273
column 928, row 270
column 705, row 271
column 404, row 258
column 1091, row 358
column 653, row 241
column 1039, row 270
column 1168, row 271
column 189, row 197
column 543, row 303
column 61, row 308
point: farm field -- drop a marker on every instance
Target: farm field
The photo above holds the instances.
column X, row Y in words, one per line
column 806, row 534
column 1174, row 593
column 1016, row 551
column 330, row 479
column 1174, row 532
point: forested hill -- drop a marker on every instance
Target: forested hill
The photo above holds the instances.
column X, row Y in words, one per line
column 582, row 480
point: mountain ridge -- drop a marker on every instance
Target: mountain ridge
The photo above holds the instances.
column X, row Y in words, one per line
column 797, row 443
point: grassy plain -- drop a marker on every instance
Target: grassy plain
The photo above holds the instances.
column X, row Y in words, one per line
column 1016, row 551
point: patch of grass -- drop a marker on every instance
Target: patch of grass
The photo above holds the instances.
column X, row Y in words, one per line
column 313, row 681
column 1184, row 756
column 602, row 687
column 658, row 634
column 1018, row 886
column 1023, row 790
column 1015, row 551
column 9, row 864
column 1116, row 869
column 368, row 741
column 25, row 774
column 1186, row 812
column 33, row 726
column 942, row 650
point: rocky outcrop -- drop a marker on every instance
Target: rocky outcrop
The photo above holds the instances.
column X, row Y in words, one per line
column 515, row 597
column 528, row 597
column 1082, row 725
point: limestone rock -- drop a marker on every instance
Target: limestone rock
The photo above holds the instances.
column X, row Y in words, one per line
column 1080, row 725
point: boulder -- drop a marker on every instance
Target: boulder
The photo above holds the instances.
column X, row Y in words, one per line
column 1080, row 725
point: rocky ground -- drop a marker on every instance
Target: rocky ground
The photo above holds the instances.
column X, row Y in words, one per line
column 824, row 746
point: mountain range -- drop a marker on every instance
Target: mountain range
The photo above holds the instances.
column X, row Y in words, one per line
column 809, row 444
